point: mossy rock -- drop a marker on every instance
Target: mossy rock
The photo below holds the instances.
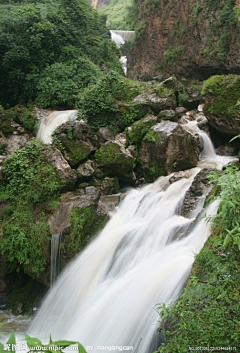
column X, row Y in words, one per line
column 25, row 117
column 167, row 148
column 139, row 129
column 75, row 140
column 5, row 122
column 115, row 161
column 85, row 223
column 222, row 103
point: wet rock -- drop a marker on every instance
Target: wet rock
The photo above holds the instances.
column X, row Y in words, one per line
column 180, row 111
column 77, row 140
column 199, row 189
column 167, row 115
column 225, row 150
column 80, row 198
column 192, row 97
column 166, row 148
column 54, row 157
column 108, row 203
column 86, row 170
column 105, row 135
column 115, row 160
column 138, row 130
column 157, row 98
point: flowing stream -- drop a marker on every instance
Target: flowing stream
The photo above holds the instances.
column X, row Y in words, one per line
column 106, row 297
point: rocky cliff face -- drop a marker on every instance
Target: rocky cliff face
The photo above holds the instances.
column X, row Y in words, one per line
column 191, row 38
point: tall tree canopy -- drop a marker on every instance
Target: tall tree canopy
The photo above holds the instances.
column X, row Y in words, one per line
column 51, row 49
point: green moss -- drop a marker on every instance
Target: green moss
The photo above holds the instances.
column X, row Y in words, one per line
column 75, row 151
column 137, row 132
column 151, row 136
column 113, row 161
column 5, row 122
column 25, row 117
column 154, row 172
column 222, row 95
column 85, row 223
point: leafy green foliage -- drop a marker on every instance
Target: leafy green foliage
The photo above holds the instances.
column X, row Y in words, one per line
column 25, row 117
column 96, row 104
column 34, row 344
column 117, row 14
column 28, row 188
column 226, row 224
column 208, row 312
column 60, row 82
column 48, row 50
column 85, row 222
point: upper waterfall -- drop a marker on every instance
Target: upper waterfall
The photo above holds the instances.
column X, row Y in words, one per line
column 126, row 35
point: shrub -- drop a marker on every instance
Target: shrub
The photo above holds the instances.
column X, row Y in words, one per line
column 28, row 188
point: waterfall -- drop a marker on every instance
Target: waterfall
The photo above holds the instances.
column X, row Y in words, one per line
column 50, row 122
column 118, row 39
column 125, row 35
column 106, row 297
column 55, row 257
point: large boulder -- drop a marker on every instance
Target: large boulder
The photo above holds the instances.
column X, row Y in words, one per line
column 139, row 129
column 222, row 103
column 55, row 158
column 166, row 148
column 79, row 216
column 115, row 160
column 15, row 142
column 157, row 99
column 76, row 140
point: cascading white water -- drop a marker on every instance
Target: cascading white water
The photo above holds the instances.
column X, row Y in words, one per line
column 118, row 39
column 209, row 157
column 55, row 257
column 50, row 122
column 106, row 297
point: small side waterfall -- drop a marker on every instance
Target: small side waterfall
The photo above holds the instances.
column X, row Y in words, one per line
column 55, row 257
column 52, row 121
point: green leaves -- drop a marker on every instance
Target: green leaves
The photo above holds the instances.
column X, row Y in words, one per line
column 35, row 344
column 35, row 62
column 27, row 191
column 52, row 346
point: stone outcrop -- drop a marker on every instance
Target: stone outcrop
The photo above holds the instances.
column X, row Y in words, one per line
column 166, row 148
column 55, row 158
column 222, row 104
column 187, row 38
column 116, row 160
column 77, row 141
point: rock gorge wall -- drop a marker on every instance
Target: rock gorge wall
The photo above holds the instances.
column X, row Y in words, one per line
column 191, row 38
